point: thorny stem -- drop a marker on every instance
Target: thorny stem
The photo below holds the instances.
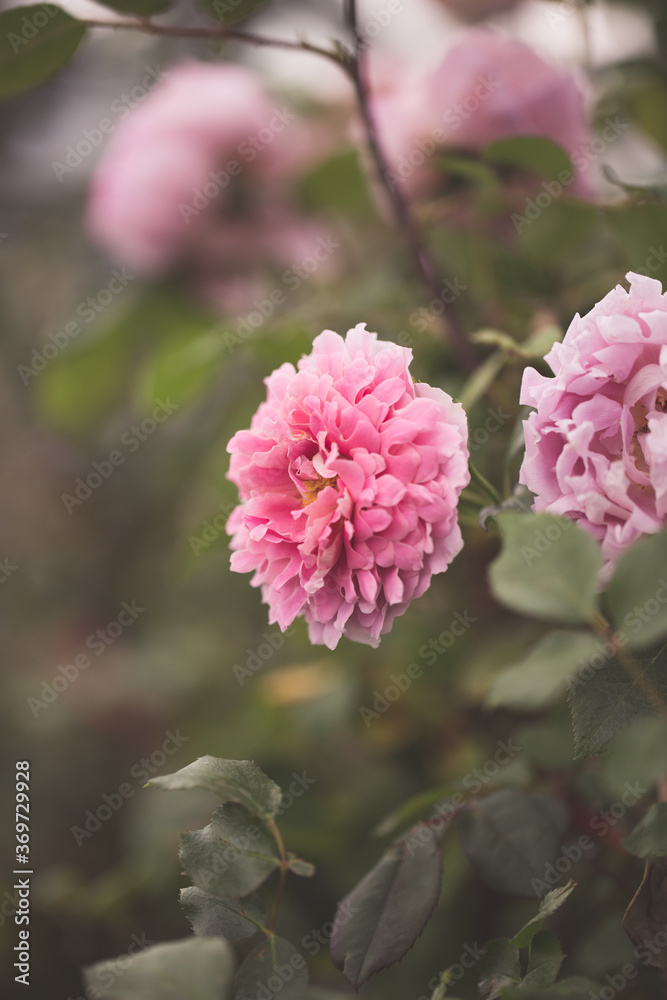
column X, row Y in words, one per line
column 353, row 63
column 604, row 631
column 284, row 864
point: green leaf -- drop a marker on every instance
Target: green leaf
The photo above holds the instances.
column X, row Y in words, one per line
column 273, row 967
column 184, row 367
column 37, row 42
column 637, row 594
column 232, row 856
column 572, row 988
column 499, row 966
column 511, row 838
column 544, row 962
column 548, row 568
column 193, row 969
column 548, row 905
column 605, row 704
column 229, row 12
column 639, row 753
column 380, row 920
column 533, row 153
column 650, row 835
column 143, row 8
column 300, row 867
column 234, row 919
column 231, row 780
column 539, row 678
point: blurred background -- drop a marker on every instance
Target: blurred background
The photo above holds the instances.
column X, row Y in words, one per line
column 163, row 371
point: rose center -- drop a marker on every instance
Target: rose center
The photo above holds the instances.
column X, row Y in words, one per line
column 312, row 487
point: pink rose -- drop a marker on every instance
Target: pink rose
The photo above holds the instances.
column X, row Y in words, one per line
column 487, row 88
column 208, row 139
column 349, row 479
column 596, row 447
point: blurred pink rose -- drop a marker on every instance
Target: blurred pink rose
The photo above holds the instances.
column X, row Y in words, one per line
column 487, row 88
column 596, row 447
column 208, row 148
column 349, row 479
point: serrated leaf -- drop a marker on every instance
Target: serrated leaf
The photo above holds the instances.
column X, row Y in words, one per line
column 380, row 920
column 548, row 905
column 534, row 153
column 230, row 12
column 499, row 966
column 539, row 678
column 544, row 962
column 650, row 835
column 511, row 837
column 637, row 594
column 548, row 568
column 232, row 856
column 193, row 969
column 231, row 780
column 274, row 966
column 37, row 42
column 234, row 919
column 606, row 703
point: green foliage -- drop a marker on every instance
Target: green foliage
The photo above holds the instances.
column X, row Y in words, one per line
column 272, row 961
column 193, row 969
column 611, row 696
column 532, row 153
column 548, row 568
column 650, row 836
column 234, row 919
column 231, row 780
column 380, row 920
column 38, row 42
column 637, row 593
column 539, row 677
column 551, row 902
column 511, row 838
column 637, row 753
column 142, row 8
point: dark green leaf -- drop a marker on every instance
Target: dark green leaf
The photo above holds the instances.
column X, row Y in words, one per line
column 551, row 902
column 572, row 988
column 183, row 367
column 532, row 153
column 539, row 678
column 637, row 594
column 545, row 960
column 229, row 12
column 232, row 856
column 273, row 967
column 639, row 753
column 608, row 701
column 193, row 969
column 143, row 8
column 234, row 919
column 499, row 966
column 548, row 568
column 37, row 41
column 231, row 780
column 380, row 920
column 512, row 838
column 649, row 836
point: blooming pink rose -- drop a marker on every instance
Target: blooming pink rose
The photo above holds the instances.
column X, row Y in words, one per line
column 596, row 447
column 167, row 177
column 349, row 479
column 487, row 88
